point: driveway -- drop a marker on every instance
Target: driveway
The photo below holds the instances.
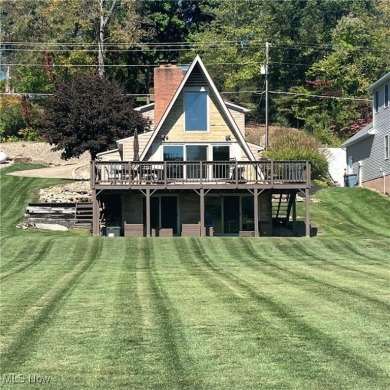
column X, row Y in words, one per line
column 71, row 171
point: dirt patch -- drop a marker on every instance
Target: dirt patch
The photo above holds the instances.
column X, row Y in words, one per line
column 39, row 152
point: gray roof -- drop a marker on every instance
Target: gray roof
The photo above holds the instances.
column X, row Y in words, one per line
column 362, row 134
column 379, row 82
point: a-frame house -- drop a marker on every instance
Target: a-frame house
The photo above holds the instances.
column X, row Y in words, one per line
column 194, row 174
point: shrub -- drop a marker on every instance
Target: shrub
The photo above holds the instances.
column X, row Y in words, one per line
column 293, row 144
column 11, row 118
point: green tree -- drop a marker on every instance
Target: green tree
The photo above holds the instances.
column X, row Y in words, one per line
column 232, row 43
column 360, row 54
column 46, row 42
column 89, row 113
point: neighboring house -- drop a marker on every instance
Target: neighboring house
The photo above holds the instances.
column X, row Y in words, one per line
column 368, row 151
column 193, row 174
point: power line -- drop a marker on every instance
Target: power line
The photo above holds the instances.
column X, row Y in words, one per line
column 127, row 65
column 256, row 92
column 172, row 46
column 319, row 96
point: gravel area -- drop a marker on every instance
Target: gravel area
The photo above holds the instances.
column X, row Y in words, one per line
column 39, row 152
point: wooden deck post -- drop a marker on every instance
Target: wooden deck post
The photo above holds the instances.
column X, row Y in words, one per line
column 147, row 212
column 95, row 214
column 294, row 210
column 202, row 210
column 307, row 212
column 256, row 211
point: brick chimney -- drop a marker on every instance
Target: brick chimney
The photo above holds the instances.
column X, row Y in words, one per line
column 167, row 78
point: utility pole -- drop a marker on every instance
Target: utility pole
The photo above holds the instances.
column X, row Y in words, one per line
column 7, row 80
column 266, row 96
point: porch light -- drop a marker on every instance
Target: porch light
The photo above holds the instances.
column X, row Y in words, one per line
column 164, row 137
column 228, row 138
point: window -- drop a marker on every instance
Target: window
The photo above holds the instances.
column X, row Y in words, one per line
column 196, row 153
column 221, row 170
column 195, row 111
column 387, row 147
column 174, row 153
column 376, row 101
column 387, row 95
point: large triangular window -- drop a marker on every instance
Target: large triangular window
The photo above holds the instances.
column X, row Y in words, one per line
column 196, row 110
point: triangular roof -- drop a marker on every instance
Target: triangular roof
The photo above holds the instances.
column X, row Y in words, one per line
column 237, row 133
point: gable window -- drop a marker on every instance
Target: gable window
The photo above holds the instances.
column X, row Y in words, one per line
column 195, row 111
column 376, row 101
column 387, row 147
column 387, row 95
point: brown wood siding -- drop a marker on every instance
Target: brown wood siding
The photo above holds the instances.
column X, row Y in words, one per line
column 132, row 208
column 265, row 211
column 189, row 208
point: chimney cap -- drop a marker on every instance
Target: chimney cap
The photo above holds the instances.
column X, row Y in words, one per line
column 166, row 63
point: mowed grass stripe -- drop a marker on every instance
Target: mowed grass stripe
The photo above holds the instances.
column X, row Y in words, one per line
column 325, row 345
column 298, row 276
column 359, row 211
column 362, row 260
column 29, row 255
column 21, row 337
column 180, row 371
column 241, row 357
column 362, row 274
column 88, row 341
column 325, row 307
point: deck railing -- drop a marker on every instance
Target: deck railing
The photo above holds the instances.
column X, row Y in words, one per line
column 135, row 173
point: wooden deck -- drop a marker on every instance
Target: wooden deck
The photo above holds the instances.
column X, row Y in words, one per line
column 200, row 174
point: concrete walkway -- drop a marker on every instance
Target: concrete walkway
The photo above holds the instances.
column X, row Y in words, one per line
column 71, row 171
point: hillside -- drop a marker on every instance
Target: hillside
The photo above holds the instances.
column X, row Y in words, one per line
column 82, row 312
column 341, row 212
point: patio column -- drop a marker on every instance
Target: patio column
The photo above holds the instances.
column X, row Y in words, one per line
column 256, row 211
column 147, row 212
column 202, row 210
column 307, row 212
column 95, row 214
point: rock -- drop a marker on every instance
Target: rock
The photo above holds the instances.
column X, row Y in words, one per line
column 51, row 226
column 73, row 192
column 22, row 159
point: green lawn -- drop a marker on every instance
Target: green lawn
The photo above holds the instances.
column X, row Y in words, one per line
column 211, row 313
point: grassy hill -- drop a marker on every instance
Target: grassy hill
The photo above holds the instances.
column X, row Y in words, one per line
column 184, row 313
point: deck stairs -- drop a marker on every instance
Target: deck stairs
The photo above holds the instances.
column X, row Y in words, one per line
column 281, row 207
column 83, row 214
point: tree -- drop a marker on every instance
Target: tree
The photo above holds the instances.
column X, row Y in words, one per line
column 89, row 113
column 233, row 41
column 45, row 41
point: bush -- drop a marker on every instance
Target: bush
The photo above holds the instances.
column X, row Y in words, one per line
column 293, row 144
column 12, row 120
column 19, row 119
